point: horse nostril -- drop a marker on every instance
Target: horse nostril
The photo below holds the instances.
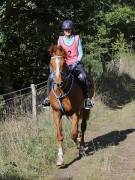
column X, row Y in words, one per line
column 60, row 84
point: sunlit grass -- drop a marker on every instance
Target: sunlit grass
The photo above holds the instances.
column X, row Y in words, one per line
column 29, row 148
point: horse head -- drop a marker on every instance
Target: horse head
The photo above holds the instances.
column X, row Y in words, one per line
column 58, row 65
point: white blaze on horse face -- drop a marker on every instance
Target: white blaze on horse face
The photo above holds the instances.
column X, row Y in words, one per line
column 57, row 67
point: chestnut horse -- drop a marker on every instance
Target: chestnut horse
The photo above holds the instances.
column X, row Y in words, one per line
column 66, row 98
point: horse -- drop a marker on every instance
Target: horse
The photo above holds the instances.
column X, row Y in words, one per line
column 66, row 98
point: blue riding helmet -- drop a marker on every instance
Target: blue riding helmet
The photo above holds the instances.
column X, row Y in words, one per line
column 67, row 24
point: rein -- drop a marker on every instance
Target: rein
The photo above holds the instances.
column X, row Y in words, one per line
column 64, row 94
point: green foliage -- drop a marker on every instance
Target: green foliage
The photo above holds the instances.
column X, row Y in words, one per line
column 28, row 28
column 114, row 35
column 120, row 14
column 120, row 45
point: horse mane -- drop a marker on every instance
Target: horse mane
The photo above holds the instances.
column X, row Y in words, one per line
column 56, row 50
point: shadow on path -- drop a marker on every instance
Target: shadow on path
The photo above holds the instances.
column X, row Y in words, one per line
column 101, row 142
column 109, row 139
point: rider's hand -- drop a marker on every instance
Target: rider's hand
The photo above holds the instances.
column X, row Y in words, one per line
column 74, row 65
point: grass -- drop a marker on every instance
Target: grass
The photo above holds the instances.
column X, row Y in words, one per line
column 116, row 89
column 107, row 142
column 28, row 149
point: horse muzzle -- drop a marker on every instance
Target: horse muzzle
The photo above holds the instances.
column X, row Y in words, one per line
column 60, row 84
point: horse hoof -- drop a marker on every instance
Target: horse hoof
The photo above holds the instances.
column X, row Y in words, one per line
column 79, row 139
column 82, row 152
column 60, row 162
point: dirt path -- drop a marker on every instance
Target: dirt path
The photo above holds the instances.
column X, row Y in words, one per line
column 110, row 143
column 123, row 166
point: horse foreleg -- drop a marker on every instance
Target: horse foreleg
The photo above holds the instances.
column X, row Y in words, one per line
column 85, row 117
column 58, row 124
column 74, row 131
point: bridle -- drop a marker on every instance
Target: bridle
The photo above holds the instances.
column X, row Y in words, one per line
column 54, row 57
column 68, row 77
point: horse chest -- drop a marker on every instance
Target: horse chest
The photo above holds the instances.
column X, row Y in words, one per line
column 71, row 103
column 67, row 104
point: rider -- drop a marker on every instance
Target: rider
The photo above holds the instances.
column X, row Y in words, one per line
column 73, row 47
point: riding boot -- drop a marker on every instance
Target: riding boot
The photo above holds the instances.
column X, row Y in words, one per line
column 46, row 101
column 88, row 104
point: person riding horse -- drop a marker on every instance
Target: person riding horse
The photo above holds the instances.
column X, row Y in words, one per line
column 74, row 52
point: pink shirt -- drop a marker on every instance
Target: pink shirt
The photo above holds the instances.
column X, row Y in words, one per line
column 71, row 51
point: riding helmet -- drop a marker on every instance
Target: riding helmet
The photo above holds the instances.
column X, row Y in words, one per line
column 67, row 24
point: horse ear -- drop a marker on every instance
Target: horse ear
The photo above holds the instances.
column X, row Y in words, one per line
column 63, row 52
column 51, row 50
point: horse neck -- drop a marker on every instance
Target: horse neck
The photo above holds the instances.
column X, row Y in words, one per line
column 68, row 83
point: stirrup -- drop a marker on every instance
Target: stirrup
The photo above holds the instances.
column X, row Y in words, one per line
column 46, row 102
column 88, row 104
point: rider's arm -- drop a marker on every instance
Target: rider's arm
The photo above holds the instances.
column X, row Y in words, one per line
column 80, row 51
column 58, row 42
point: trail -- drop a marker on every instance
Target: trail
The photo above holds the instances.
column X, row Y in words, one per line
column 110, row 142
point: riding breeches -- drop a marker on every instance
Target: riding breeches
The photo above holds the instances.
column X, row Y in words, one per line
column 83, row 77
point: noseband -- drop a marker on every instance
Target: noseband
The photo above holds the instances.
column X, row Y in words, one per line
column 56, row 57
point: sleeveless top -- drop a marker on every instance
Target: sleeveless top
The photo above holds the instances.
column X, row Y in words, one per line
column 71, row 51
